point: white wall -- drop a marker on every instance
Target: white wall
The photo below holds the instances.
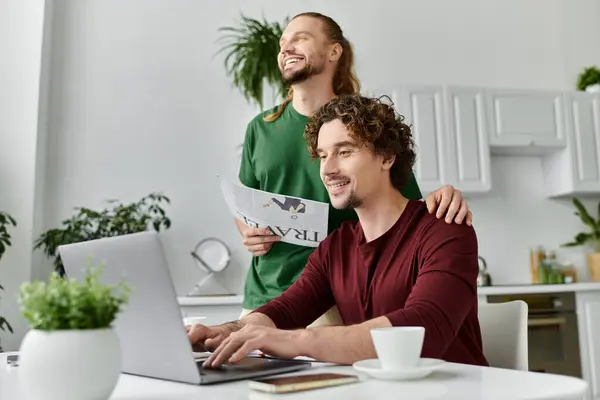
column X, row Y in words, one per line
column 516, row 216
column 139, row 103
column 21, row 159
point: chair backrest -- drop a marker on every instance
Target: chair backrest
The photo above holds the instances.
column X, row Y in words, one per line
column 504, row 334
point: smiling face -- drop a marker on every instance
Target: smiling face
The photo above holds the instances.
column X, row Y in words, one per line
column 305, row 50
column 352, row 173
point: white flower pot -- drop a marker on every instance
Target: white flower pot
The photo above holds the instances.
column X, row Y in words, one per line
column 69, row 364
column 593, row 88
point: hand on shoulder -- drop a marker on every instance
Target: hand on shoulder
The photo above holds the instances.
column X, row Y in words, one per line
column 448, row 202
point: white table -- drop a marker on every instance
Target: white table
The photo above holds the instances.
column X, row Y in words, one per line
column 452, row 381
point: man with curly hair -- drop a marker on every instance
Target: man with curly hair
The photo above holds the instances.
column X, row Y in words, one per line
column 398, row 265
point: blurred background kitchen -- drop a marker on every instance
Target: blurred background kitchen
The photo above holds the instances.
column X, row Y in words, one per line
column 116, row 100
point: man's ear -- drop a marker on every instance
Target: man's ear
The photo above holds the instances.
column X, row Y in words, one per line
column 336, row 52
column 388, row 161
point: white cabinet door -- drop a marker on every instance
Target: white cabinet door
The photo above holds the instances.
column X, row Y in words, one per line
column 423, row 107
column 525, row 122
column 576, row 170
column 469, row 155
column 588, row 316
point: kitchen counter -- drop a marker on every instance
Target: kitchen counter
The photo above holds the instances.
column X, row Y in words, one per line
column 535, row 288
column 237, row 300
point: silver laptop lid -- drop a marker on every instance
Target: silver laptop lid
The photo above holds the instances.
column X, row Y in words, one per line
column 153, row 339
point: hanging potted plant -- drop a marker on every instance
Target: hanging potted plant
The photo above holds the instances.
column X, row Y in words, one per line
column 590, row 238
column 251, row 50
column 71, row 336
column 589, row 80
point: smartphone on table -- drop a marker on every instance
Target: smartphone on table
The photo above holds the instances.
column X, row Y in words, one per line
column 297, row 383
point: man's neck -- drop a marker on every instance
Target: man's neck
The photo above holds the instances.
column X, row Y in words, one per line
column 312, row 94
column 378, row 216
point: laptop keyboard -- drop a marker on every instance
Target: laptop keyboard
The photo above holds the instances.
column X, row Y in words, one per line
column 247, row 364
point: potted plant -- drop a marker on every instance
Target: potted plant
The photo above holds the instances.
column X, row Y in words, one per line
column 70, row 337
column 589, row 238
column 589, row 80
column 5, row 241
column 251, row 57
column 119, row 219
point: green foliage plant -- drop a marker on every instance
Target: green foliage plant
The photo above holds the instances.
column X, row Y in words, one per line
column 592, row 236
column 67, row 304
column 590, row 76
column 251, row 50
column 5, row 242
column 116, row 220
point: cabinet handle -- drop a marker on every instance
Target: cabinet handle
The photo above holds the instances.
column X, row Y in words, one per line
column 546, row 321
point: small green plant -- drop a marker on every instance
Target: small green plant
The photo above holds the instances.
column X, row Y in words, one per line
column 252, row 49
column 589, row 76
column 117, row 220
column 61, row 304
column 5, row 241
column 593, row 236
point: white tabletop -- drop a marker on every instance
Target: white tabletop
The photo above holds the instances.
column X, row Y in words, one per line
column 456, row 381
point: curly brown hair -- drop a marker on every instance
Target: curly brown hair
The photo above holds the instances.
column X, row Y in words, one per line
column 370, row 122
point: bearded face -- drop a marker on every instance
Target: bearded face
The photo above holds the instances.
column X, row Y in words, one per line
column 304, row 50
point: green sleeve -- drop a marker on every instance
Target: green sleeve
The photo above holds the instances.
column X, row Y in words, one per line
column 246, row 174
column 411, row 190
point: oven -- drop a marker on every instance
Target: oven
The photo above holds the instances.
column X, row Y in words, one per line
column 553, row 340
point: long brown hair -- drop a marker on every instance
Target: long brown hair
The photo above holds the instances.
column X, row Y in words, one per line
column 345, row 80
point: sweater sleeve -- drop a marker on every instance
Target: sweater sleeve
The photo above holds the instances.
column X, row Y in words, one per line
column 446, row 286
column 307, row 298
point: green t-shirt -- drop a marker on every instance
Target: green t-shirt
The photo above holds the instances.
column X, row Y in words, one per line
column 275, row 159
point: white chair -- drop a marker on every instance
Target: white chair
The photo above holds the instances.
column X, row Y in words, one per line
column 504, row 334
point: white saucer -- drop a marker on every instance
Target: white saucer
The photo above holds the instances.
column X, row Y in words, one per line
column 372, row 367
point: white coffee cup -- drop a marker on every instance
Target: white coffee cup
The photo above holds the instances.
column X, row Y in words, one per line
column 398, row 347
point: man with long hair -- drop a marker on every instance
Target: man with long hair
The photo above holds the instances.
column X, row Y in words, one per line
column 317, row 62
column 397, row 265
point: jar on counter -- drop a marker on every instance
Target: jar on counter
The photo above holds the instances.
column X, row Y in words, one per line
column 536, row 257
column 550, row 271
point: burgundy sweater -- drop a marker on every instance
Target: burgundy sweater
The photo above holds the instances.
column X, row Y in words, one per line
column 422, row 271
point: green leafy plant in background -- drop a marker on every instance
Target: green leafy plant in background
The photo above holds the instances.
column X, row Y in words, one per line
column 593, row 235
column 251, row 57
column 5, row 242
column 118, row 219
column 589, row 76
column 61, row 304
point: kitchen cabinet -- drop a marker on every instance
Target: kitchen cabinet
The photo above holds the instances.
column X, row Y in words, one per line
column 469, row 159
column 525, row 122
column 457, row 129
column 449, row 132
column 576, row 170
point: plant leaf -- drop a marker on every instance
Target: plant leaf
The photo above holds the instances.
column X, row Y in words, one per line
column 585, row 216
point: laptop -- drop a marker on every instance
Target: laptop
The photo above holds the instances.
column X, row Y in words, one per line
column 151, row 331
